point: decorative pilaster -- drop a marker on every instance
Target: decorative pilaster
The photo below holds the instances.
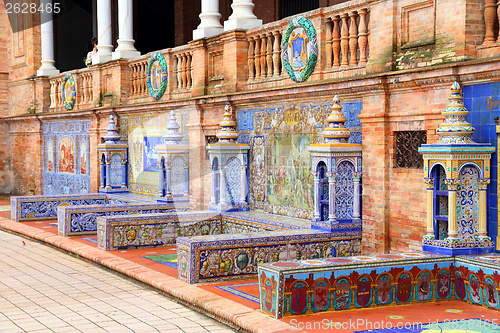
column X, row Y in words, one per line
column 460, row 157
column 175, row 154
column 335, row 151
column 231, row 157
column 114, row 167
column 47, row 41
column 126, row 48
column 210, row 20
column 104, row 42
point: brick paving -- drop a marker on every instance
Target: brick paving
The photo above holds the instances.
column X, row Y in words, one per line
column 45, row 290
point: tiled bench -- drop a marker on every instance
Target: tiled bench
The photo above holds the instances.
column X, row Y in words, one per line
column 235, row 256
column 294, row 288
column 44, row 207
column 131, row 231
column 81, row 220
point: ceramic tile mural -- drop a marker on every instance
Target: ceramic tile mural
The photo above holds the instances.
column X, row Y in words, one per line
column 482, row 102
column 178, row 177
column 116, row 170
column 143, row 134
column 233, row 178
column 467, row 204
column 280, row 164
column 291, row 288
column 65, row 157
column 344, row 189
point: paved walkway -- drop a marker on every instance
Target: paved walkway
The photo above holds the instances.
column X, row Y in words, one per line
column 45, row 290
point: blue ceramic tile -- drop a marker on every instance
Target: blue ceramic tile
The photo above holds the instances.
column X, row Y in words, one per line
column 485, row 89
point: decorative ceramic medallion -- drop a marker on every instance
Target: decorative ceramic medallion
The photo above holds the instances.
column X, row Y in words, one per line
column 69, row 91
column 300, row 49
column 157, row 75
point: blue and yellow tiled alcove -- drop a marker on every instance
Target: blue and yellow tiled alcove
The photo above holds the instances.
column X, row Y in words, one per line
column 457, row 174
column 336, row 167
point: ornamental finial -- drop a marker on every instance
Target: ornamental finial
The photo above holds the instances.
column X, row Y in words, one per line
column 228, row 132
column 335, row 132
column 455, row 129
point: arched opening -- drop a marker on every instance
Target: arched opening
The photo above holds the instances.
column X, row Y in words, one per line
column 163, row 177
column 103, row 171
column 323, row 191
column 440, row 203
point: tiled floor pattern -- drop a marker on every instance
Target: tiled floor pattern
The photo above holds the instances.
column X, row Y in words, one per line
column 45, row 290
column 443, row 317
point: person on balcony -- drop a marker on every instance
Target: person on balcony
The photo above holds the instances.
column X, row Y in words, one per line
column 88, row 59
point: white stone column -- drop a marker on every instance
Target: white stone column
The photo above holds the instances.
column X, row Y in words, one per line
column 161, row 179
column 242, row 16
column 104, row 42
column 210, row 20
column 168, row 176
column 317, row 215
column 222, row 188
column 214, row 185
column 47, row 39
column 332, row 218
column 356, row 206
column 243, row 187
column 125, row 48
column 482, row 222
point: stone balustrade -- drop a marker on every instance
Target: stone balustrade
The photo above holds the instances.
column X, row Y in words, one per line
column 182, row 59
column 237, row 61
column 138, row 68
column 84, row 89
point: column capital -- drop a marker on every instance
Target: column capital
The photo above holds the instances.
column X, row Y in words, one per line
column 452, row 184
column 482, row 183
column 429, row 182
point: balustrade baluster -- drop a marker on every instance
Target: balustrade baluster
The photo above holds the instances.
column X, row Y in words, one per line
column 269, row 54
column 188, row 71
column 89, row 87
column 277, row 53
column 84, row 88
column 257, row 58
column 328, row 45
column 263, row 57
column 53, row 84
column 363, row 36
column 344, row 40
column 142, row 82
column 490, row 16
column 134, row 79
column 336, row 42
column 251, row 69
column 59, row 92
column 353, row 38
column 184, row 69
column 179, row 72
column 498, row 18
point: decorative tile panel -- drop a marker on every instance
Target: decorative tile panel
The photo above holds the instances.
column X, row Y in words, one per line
column 65, row 157
column 467, row 204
